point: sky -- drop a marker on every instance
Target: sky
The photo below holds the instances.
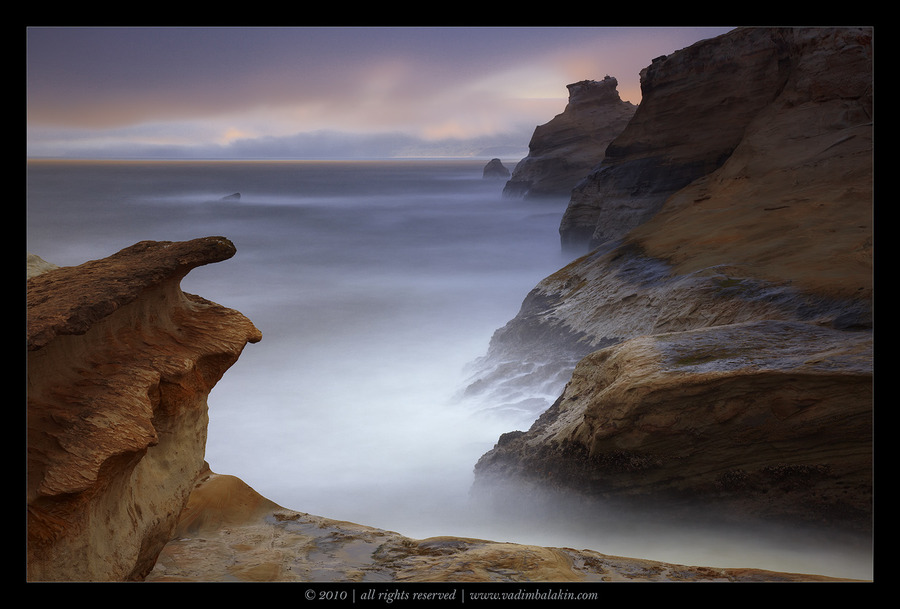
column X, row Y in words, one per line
column 317, row 92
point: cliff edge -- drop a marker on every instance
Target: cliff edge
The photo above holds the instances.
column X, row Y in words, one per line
column 120, row 364
column 721, row 320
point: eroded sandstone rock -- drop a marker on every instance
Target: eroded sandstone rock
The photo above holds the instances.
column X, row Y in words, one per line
column 564, row 150
column 748, row 421
column 737, row 207
column 120, row 363
column 792, row 91
column 228, row 532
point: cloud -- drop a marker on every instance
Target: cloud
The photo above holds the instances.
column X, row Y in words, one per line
column 213, row 91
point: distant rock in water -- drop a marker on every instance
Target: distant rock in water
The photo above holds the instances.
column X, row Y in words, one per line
column 565, row 150
column 232, row 197
column 495, row 169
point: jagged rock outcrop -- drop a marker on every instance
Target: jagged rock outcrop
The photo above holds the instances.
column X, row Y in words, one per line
column 563, row 151
column 699, row 104
column 228, row 532
column 495, row 169
column 120, row 364
column 726, row 312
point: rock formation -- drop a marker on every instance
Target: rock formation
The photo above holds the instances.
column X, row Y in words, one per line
column 792, row 91
column 724, row 317
column 230, row 533
column 495, row 170
column 563, row 151
column 120, row 364
column 715, row 349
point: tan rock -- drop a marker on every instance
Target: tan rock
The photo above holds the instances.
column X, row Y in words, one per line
column 229, row 533
column 761, row 420
column 796, row 101
column 794, row 200
column 120, row 363
column 35, row 265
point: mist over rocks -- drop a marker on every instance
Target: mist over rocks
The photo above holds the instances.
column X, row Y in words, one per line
column 120, row 364
column 728, row 225
column 714, row 351
column 759, row 421
column 563, row 151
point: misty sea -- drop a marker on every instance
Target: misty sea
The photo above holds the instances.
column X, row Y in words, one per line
column 375, row 284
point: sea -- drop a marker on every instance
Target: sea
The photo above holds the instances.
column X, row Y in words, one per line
column 376, row 285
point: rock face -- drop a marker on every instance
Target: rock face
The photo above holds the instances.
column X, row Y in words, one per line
column 564, row 150
column 228, row 532
column 766, row 420
column 724, row 318
column 701, row 103
column 120, row 363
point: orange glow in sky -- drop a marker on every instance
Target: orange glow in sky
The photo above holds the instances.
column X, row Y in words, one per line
column 204, row 90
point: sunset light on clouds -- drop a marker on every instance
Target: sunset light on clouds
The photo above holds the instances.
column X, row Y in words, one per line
column 282, row 92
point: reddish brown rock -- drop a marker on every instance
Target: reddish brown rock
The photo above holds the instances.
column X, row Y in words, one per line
column 120, row 364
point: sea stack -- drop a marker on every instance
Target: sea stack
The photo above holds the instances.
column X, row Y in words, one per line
column 564, row 150
column 495, row 170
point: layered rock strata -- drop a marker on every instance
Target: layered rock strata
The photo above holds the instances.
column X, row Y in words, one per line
column 788, row 89
column 120, row 364
column 760, row 421
column 563, row 151
column 725, row 316
column 229, row 533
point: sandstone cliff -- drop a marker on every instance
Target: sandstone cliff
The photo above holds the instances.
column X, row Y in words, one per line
column 784, row 96
column 120, row 363
column 725, row 307
column 563, row 151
